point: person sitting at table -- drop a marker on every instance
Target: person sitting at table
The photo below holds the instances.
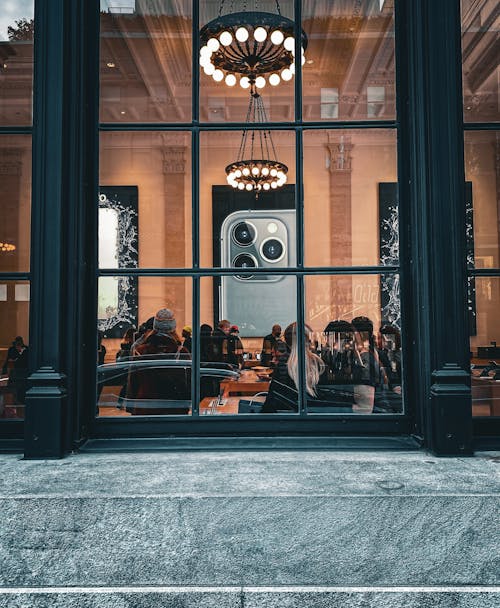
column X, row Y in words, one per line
column 170, row 383
column 269, row 345
column 283, row 390
column 126, row 344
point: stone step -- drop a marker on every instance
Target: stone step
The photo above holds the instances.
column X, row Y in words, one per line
column 269, row 528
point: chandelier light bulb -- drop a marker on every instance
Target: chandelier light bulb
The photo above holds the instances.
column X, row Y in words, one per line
column 280, row 175
column 234, row 184
column 289, row 43
column 230, row 80
column 237, row 173
column 274, row 185
column 242, row 34
column 246, row 171
column 303, row 59
column 292, row 68
column 260, row 82
column 244, row 82
column 225, row 38
column 260, row 34
column 255, row 171
column 286, row 75
column 249, row 187
column 205, row 51
column 213, row 45
column 241, row 186
column 274, row 80
column 205, row 60
column 274, row 173
column 218, row 75
column 209, row 69
column 277, row 37
column 266, row 186
column 265, row 171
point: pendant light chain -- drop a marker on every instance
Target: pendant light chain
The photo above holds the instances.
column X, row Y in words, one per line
column 278, row 8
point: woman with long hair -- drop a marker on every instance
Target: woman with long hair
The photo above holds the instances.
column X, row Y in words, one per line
column 283, row 391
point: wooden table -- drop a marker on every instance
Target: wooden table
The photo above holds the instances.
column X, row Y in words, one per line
column 247, row 384
column 486, row 391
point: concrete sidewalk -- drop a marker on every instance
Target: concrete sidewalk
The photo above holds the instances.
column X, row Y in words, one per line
column 251, row 528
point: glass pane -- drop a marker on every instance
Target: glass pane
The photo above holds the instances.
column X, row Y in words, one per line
column 145, row 200
column 15, row 207
column 481, row 73
column 485, row 347
column 14, row 349
column 236, row 226
column 143, row 352
column 238, row 316
column 349, row 72
column 145, row 61
column 351, row 198
column 251, row 49
column 482, row 174
column 353, row 332
column 16, row 62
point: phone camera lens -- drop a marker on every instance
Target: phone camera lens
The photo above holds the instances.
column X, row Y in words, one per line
column 244, row 234
column 272, row 250
column 244, row 260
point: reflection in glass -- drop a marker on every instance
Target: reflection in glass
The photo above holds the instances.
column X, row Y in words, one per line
column 350, row 198
column 16, row 62
column 349, row 71
column 480, row 31
column 354, row 326
column 485, row 348
column 14, row 347
column 145, row 200
column 223, row 208
column 145, row 61
column 144, row 346
column 15, row 208
column 482, row 173
column 242, row 318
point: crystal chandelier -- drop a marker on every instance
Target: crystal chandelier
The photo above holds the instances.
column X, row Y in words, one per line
column 254, row 47
column 256, row 167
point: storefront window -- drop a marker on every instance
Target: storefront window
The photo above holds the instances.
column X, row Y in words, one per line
column 230, row 216
column 16, row 62
column 482, row 172
column 14, row 347
column 349, row 70
column 480, row 30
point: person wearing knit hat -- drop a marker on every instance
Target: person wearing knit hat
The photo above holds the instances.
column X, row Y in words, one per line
column 164, row 321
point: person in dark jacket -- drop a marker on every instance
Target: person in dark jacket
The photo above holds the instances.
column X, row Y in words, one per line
column 159, row 384
column 13, row 353
column 220, row 342
column 234, row 347
column 186, row 334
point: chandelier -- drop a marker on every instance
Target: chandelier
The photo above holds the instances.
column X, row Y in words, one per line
column 254, row 47
column 256, row 167
column 7, row 247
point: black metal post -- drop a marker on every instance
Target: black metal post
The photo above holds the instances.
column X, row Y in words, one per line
column 433, row 143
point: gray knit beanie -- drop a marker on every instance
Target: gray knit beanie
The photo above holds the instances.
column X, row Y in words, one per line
column 164, row 321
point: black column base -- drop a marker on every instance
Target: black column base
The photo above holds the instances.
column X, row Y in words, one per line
column 451, row 412
column 45, row 412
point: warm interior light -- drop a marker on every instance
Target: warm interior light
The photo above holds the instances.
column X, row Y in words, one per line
column 230, row 80
column 218, row 75
column 286, row 75
column 213, row 45
column 209, row 69
column 277, row 37
column 260, row 34
column 274, row 80
column 242, row 34
column 225, row 38
column 244, row 82
column 289, row 43
column 260, row 82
